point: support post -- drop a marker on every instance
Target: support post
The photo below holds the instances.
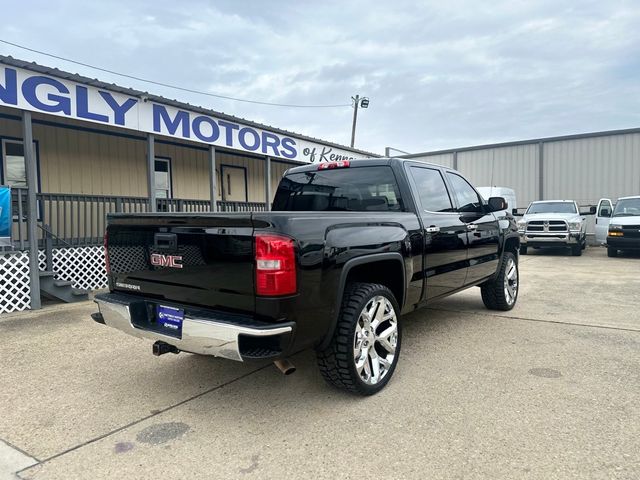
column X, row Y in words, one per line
column 356, row 99
column 541, row 170
column 455, row 160
column 213, row 183
column 151, row 167
column 267, row 183
column 32, row 210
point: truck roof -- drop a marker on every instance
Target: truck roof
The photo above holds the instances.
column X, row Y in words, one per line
column 370, row 162
column 552, row 201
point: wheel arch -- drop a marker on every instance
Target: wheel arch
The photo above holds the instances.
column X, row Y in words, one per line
column 360, row 269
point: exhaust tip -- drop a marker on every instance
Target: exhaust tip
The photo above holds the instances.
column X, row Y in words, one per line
column 285, row 366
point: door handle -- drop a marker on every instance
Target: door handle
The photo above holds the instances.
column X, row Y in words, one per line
column 432, row 229
column 472, row 226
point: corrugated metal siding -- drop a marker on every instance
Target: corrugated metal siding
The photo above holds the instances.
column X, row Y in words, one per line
column 588, row 169
column 514, row 167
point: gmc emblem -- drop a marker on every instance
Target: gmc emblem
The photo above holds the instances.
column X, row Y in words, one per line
column 173, row 261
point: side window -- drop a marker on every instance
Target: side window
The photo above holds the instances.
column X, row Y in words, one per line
column 605, row 209
column 466, row 196
column 432, row 190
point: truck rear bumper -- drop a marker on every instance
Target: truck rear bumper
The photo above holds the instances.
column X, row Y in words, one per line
column 203, row 332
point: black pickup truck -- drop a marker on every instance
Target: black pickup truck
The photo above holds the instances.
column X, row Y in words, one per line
column 347, row 248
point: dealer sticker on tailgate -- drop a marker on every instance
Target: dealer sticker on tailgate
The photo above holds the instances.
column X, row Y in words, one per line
column 170, row 320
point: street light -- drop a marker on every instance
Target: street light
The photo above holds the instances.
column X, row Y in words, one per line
column 357, row 101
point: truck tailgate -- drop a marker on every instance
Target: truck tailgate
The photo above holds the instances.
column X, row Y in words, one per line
column 200, row 260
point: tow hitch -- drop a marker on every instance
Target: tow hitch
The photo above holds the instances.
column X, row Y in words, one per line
column 160, row 348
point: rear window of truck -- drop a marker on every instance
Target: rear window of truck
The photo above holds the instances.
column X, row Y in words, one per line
column 341, row 189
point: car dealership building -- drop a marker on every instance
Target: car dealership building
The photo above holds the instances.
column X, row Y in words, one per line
column 100, row 148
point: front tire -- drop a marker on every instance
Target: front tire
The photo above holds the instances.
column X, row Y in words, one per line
column 523, row 250
column 612, row 252
column 365, row 346
column 501, row 293
column 576, row 250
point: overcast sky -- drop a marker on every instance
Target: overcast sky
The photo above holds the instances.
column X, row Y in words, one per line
column 439, row 74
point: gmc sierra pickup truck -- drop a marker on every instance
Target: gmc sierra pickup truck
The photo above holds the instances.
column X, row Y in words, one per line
column 347, row 248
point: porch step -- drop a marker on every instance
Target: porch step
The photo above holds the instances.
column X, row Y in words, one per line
column 60, row 289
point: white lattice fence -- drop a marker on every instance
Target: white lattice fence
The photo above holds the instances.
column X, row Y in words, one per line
column 82, row 266
column 14, row 282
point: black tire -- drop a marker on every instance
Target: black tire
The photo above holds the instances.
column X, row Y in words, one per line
column 576, row 250
column 584, row 244
column 523, row 250
column 336, row 362
column 494, row 294
column 612, row 252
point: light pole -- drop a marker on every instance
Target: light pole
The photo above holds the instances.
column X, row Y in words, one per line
column 357, row 101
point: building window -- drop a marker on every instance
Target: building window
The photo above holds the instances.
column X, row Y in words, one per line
column 13, row 164
column 162, row 177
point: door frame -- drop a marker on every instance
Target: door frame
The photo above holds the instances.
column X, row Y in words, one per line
column 170, row 167
column 222, row 184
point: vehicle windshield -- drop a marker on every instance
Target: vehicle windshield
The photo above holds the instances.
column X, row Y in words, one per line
column 340, row 189
column 627, row 207
column 552, row 207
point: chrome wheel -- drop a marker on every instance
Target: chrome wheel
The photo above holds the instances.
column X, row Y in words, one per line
column 511, row 282
column 375, row 340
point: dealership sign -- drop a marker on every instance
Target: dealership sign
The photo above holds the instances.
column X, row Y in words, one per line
column 36, row 92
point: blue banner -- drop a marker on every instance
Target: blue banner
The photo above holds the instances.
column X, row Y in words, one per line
column 5, row 213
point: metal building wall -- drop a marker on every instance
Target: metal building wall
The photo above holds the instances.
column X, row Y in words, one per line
column 588, row 169
column 514, row 167
column 583, row 167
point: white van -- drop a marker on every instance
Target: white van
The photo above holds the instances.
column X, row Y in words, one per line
column 507, row 193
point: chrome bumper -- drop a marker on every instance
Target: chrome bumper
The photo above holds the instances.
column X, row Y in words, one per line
column 543, row 237
column 202, row 336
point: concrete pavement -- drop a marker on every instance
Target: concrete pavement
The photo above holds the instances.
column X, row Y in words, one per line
column 548, row 390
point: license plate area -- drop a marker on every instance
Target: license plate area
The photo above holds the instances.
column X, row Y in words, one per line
column 169, row 320
column 157, row 317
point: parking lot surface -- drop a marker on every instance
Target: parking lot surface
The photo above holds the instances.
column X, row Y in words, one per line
column 550, row 389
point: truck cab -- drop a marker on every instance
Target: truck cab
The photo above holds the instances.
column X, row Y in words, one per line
column 618, row 226
column 553, row 223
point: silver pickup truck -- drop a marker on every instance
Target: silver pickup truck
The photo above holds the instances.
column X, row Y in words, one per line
column 553, row 223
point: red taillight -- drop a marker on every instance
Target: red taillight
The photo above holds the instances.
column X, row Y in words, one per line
column 106, row 253
column 275, row 265
column 330, row 165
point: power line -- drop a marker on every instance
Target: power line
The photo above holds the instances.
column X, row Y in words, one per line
column 153, row 82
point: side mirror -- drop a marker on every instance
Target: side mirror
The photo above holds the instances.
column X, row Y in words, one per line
column 496, row 204
column 605, row 212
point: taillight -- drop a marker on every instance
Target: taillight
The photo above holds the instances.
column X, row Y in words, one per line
column 275, row 265
column 331, row 165
column 106, row 253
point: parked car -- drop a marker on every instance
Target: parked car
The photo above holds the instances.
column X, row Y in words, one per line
column 553, row 223
column 622, row 224
column 348, row 247
column 507, row 193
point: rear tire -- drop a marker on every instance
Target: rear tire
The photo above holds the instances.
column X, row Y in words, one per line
column 576, row 250
column 501, row 293
column 365, row 346
column 612, row 252
column 523, row 250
